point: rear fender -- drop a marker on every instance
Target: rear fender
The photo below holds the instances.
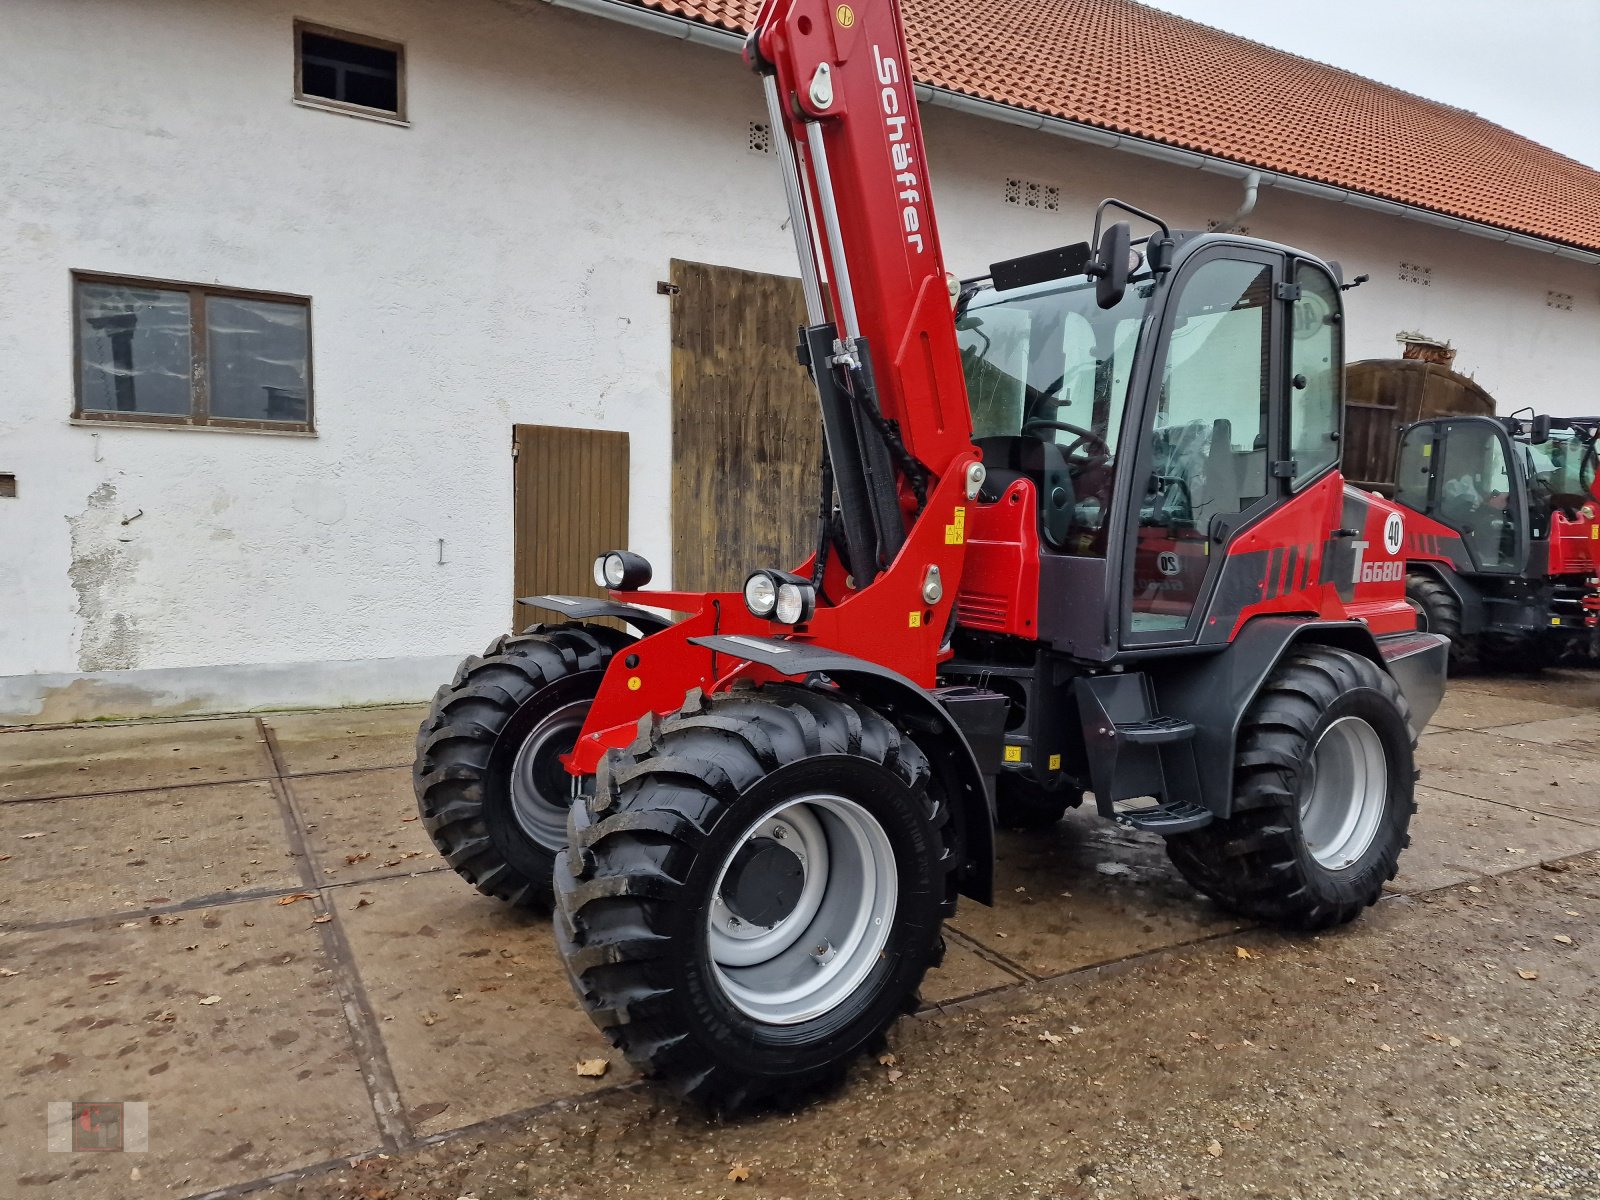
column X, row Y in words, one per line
column 1215, row 691
column 921, row 714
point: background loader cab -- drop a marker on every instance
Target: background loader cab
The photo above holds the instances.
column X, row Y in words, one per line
column 1500, row 557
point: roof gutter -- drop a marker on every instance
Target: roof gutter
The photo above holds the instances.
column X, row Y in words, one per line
column 628, row 12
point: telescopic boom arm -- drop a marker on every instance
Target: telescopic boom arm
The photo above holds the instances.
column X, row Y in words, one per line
column 882, row 344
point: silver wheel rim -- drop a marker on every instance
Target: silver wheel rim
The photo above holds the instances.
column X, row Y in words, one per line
column 816, row 955
column 541, row 791
column 1349, row 793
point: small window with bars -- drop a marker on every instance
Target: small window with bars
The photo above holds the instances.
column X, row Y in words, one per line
column 349, row 72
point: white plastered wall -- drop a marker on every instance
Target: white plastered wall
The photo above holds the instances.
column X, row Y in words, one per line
column 495, row 263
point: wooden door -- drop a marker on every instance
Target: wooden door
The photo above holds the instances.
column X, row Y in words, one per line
column 746, row 430
column 571, row 503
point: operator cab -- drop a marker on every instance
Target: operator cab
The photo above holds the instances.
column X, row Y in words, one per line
column 1152, row 428
column 1497, row 481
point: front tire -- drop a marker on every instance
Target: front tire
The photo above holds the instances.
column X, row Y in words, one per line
column 490, row 786
column 753, row 894
column 1438, row 611
column 1323, row 796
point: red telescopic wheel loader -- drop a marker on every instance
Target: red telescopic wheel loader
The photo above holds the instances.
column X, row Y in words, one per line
column 1082, row 531
column 1501, row 541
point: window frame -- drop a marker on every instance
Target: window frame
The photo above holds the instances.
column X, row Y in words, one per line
column 1140, row 417
column 199, row 415
column 311, row 100
column 1303, row 479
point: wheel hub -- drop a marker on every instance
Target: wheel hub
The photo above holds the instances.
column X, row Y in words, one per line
column 1345, row 794
column 541, row 788
column 763, row 882
column 802, row 909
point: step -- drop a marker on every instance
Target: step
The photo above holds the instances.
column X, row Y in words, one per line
column 1155, row 731
column 1172, row 816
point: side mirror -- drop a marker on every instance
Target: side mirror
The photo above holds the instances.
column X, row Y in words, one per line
column 1539, row 429
column 1112, row 265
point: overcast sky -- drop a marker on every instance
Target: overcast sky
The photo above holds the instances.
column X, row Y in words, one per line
column 1530, row 65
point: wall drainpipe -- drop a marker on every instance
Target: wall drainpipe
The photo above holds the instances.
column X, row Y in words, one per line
column 1252, row 184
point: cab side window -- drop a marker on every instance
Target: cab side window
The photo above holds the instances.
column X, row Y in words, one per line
column 1315, row 357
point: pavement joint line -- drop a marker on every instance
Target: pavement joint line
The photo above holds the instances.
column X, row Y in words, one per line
column 180, row 718
column 198, row 783
column 1532, row 812
column 987, row 952
column 293, row 1175
column 215, row 900
column 1069, row 978
column 377, row 1072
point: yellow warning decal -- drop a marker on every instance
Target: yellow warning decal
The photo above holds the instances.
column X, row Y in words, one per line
column 914, row 619
column 1427, row 450
column 845, row 15
column 1055, row 762
column 634, row 683
column 1594, row 533
column 955, row 533
column 1013, row 753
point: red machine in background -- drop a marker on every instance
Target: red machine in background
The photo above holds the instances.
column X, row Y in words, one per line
column 1081, row 528
column 1502, row 552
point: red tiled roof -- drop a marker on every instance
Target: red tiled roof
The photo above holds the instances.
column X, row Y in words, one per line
column 1121, row 66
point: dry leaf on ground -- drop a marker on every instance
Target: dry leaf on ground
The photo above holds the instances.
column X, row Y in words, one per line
column 211, row 1000
column 1563, row 939
column 1528, row 974
column 1054, row 1039
column 297, row 896
column 738, row 1173
column 362, row 856
column 1214, row 1149
column 593, row 1068
column 1241, row 952
column 886, row 1060
column 323, row 919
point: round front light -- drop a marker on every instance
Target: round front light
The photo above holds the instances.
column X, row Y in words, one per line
column 795, row 602
column 622, row 570
column 760, row 594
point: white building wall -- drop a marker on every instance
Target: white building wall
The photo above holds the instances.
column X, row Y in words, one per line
column 494, row 263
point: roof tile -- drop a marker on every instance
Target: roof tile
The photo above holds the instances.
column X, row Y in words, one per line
column 1121, row 66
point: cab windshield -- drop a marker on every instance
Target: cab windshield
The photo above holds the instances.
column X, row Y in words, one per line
column 1559, row 471
column 1047, row 373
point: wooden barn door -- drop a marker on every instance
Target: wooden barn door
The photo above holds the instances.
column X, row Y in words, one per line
column 571, row 503
column 746, row 432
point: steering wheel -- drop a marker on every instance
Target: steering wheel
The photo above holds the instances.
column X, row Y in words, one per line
column 1091, row 457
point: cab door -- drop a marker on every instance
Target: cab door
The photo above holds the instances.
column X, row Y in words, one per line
column 1461, row 472
column 1209, row 423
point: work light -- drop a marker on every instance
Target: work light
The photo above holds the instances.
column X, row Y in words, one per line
column 780, row 596
column 621, row 570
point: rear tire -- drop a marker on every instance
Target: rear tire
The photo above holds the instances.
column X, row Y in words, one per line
column 1438, row 611
column 489, row 783
column 738, row 1013
column 1021, row 802
column 1323, row 796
